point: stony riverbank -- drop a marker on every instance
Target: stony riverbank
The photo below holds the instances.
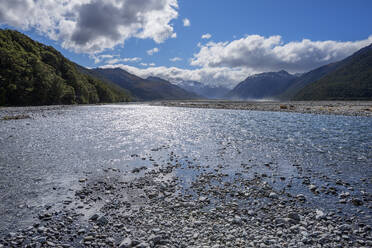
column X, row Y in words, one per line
column 350, row 108
column 155, row 210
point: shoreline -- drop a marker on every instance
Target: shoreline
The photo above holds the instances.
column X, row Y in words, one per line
column 347, row 108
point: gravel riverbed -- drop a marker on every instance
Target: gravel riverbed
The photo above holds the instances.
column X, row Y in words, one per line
column 155, row 210
column 350, row 108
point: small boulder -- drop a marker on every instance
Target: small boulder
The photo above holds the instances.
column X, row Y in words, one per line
column 319, row 214
column 126, row 243
column 312, row 187
column 273, row 195
column 301, row 197
column 94, row 217
column 102, row 220
column 294, row 217
column 357, row 202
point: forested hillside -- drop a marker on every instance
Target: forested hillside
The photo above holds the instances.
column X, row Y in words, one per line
column 35, row 74
column 351, row 81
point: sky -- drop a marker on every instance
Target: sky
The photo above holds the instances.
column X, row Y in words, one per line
column 216, row 42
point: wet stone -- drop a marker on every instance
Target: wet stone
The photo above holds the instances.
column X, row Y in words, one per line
column 102, row 220
column 126, row 243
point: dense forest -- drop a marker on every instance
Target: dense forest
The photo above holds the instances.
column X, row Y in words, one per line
column 35, row 74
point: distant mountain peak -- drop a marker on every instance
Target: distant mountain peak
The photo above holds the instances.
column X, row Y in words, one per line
column 271, row 74
column 208, row 91
column 263, row 85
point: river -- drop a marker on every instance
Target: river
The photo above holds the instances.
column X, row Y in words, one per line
column 42, row 158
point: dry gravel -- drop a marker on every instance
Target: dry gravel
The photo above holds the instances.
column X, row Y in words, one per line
column 350, row 108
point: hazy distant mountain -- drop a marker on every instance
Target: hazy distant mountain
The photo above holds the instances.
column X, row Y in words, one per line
column 144, row 89
column 264, row 85
column 32, row 73
column 203, row 90
column 168, row 90
column 349, row 79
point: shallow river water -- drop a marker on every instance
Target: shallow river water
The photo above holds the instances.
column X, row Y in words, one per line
column 42, row 158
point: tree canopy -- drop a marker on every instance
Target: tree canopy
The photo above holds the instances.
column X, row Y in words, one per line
column 32, row 73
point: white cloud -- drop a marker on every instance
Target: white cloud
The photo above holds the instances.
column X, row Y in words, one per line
column 143, row 64
column 152, row 51
column 257, row 53
column 175, row 59
column 206, row 36
column 134, row 59
column 212, row 76
column 152, row 64
column 99, row 58
column 186, row 22
column 113, row 59
column 92, row 26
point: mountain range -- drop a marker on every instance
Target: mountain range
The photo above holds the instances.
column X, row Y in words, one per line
column 32, row 73
column 348, row 79
column 152, row 88
column 205, row 91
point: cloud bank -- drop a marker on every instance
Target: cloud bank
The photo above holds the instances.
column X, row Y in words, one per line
column 91, row 26
column 259, row 54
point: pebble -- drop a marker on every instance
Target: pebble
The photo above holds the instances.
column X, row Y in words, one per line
column 102, row 220
column 273, row 195
column 155, row 210
column 126, row 243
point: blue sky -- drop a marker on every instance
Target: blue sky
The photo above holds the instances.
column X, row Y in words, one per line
column 246, row 37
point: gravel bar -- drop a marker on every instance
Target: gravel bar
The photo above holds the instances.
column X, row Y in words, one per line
column 349, row 108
